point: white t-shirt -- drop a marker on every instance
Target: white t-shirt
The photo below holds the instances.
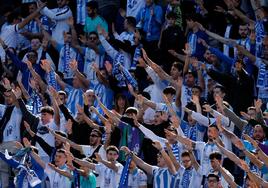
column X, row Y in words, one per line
column 10, row 35
column 56, row 180
column 137, row 178
column 12, row 129
column 109, row 178
column 88, row 150
column 48, row 138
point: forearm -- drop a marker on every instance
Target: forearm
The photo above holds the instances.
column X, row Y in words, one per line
column 64, row 173
column 85, row 163
column 234, row 118
column 253, row 159
column 90, row 122
column 173, row 159
column 230, row 155
column 168, row 162
column 151, row 135
column 82, row 78
column 227, row 178
column 194, row 162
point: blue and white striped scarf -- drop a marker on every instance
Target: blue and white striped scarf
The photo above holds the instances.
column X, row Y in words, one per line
column 123, row 183
column 186, row 178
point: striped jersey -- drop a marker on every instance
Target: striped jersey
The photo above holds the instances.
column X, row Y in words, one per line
column 162, row 177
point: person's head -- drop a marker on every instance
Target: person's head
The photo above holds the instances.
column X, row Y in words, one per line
column 161, row 161
column 214, row 157
column 186, row 160
column 251, row 111
column 60, row 157
column 32, row 56
column 90, row 97
column 92, row 8
column 259, row 133
column 158, row 117
column 32, row 7
column 9, row 97
column 130, row 23
column 67, row 37
column 131, row 112
column 132, row 165
column 172, row 129
column 121, row 103
column 212, row 59
column 171, row 18
column 112, row 153
column 47, row 114
column 35, row 43
column 59, row 143
column 191, row 120
column 95, row 137
column 213, row 132
column 176, row 70
column 191, row 20
column 219, row 90
column 243, row 30
column 169, row 92
column 63, row 97
column 62, row 3
column 213, row 181
column 239, row 65
column 93, row 37
column 189, row 79
column 197, row 91
column 13, row 18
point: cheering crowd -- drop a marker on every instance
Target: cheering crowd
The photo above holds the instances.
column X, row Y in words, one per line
column 134, row 94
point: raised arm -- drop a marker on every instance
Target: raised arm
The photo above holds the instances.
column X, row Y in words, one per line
column 146, row 167
column 31, row 16
column 60, row 171
column 80, row 76
column 63, row 14
column 168, row 161
column 226, row 176
column 85, row 163
column 63, row 139
column 109, row 164
column 229, row 154
column 172, row 157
